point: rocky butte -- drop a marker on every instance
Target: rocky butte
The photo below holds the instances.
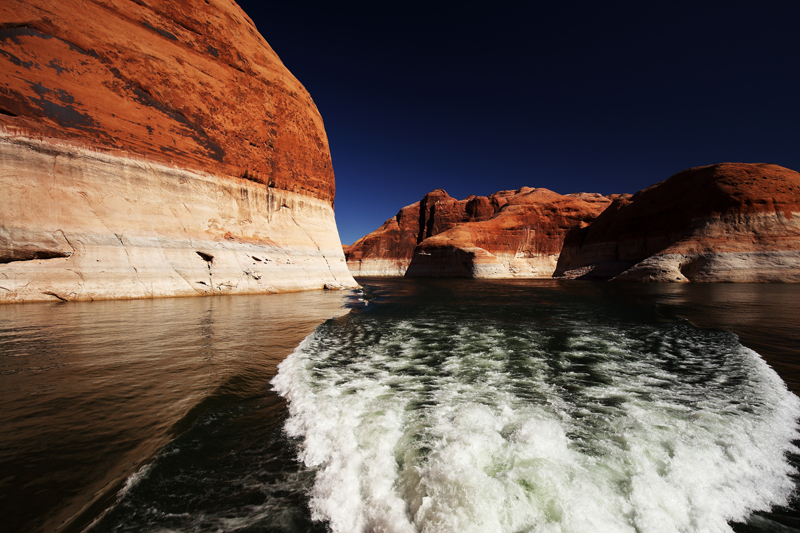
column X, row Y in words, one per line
column 156, row 148
column 505, row 235
column 731, row 222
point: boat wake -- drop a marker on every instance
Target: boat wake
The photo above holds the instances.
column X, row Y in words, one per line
column 441, row 424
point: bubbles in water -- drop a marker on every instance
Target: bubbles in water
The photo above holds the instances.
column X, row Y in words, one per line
column 445, row 425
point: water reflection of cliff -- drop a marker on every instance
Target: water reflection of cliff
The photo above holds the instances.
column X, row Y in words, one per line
column 765, row 317
column 89, row 392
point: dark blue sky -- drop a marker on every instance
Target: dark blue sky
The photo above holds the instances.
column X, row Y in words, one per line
column 596, row 96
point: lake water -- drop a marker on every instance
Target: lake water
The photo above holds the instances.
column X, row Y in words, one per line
column 432, row 405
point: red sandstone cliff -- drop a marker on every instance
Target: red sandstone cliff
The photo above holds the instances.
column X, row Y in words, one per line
column 508, row 234
column 190, row 83
column 732, row 222
column 387, row 251
column 167, row 129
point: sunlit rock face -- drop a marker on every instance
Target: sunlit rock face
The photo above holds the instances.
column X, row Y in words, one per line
column 505, row 235
column 387, row 251
column 732, row 222
column 155, row 149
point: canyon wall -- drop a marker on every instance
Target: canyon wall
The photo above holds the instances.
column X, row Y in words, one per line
column 731, row 222
column 505, row 235
column 387, row 251
column 157, row 148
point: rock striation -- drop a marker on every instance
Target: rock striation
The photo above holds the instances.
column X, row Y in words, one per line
column 507, row 234
column 731, row 222
column 157, row 148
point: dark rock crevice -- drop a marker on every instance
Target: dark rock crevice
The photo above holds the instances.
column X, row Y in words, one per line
column 33, row 255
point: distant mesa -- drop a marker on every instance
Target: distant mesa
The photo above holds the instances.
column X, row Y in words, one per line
column 731, row 222
column 140, row 139
column 507, row 234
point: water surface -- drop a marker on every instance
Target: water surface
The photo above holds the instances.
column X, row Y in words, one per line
column 524, row 406
column 434, row 405
column 89, row 392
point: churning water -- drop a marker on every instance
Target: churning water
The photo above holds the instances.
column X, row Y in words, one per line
column 432, row 406
column 463, row 410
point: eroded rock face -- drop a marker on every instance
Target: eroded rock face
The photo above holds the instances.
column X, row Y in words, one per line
column 508, row 234
column 188, row 83
column 522, row 239
column 732, row 222
column 137, row 136
column 387, row 251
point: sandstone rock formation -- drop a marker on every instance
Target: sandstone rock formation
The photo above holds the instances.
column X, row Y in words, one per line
column 508, row 234
column 156, row 148
column 731, row 222
column 387, row 251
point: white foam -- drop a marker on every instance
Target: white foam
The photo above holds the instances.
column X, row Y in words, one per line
column 404, row 443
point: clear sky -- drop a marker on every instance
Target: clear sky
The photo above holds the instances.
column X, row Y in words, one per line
column 595, row 96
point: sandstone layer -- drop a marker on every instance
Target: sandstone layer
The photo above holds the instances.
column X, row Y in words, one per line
column 147, row 143
column 70, row 232
column 732, row 222
column 507, row 234
column 188, row 83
